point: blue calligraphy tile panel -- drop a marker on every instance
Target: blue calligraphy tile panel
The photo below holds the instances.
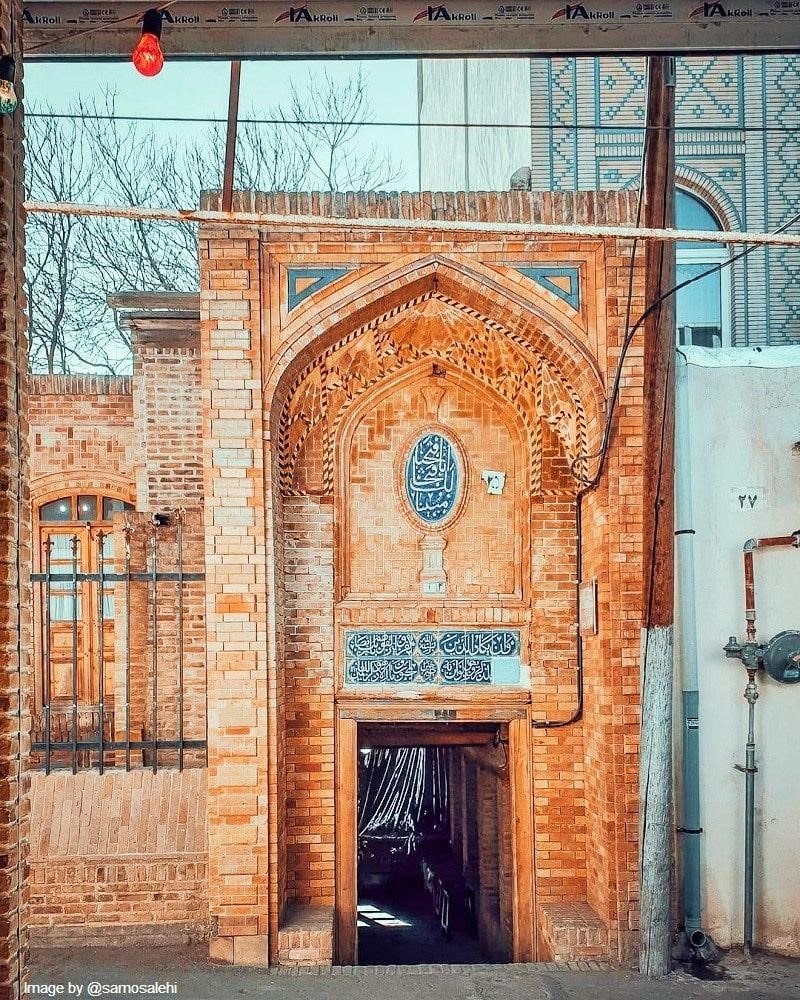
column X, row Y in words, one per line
column 464, row 656
column 433, row 478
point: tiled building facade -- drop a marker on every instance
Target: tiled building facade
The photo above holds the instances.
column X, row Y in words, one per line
column 326, row 360
column 737, row 149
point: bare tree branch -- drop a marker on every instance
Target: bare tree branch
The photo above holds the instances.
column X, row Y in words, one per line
column 74, row 263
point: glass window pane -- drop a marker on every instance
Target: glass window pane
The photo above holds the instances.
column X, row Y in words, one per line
column 62, row 597
column 62, row 548
column 61, row 605
column 698, row 308
column 87, row 508
column 112, row 507
column 691, row 213
column 56, row 510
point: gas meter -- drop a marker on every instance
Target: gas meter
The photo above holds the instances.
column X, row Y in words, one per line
column 780, row 657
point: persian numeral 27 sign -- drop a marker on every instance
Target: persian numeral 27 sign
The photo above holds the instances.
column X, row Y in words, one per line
column 410, row 27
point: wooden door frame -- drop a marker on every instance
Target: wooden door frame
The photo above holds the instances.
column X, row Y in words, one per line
column 517, row 717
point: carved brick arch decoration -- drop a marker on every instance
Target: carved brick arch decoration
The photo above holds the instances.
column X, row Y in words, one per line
column 544, row 324
column 53, row 484
column 324, row 392
column 525, row 363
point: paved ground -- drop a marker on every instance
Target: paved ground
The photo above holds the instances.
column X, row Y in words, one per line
column 196, row 979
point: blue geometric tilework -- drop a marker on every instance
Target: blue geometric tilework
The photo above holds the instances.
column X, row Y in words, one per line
column 433, row 478
column 304, row 281
column 563, row 111
column 561, row 281
column 453, row 656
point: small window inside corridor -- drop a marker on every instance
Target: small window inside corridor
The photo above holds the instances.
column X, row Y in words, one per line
column 701, row 309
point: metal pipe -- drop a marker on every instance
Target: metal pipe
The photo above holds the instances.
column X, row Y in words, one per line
column 690, row 828
column 750, row 771
column 749, row 547
column 101, row 681
column 179, row 545
column 48, row 555
column 128, row 531
column 282, row 223
column 74, row 544
column 154, row 657
column 749, row 592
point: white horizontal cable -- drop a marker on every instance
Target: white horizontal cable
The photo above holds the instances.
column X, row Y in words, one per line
column 293, row 222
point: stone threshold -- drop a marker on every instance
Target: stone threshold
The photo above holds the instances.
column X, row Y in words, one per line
column 327, row 971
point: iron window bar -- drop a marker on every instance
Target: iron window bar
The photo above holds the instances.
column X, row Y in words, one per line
column 82, row 725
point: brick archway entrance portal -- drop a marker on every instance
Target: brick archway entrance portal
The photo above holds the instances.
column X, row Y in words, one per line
column 324, row 362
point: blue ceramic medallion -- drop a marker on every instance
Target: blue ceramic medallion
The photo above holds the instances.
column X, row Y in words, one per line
column 433, row 478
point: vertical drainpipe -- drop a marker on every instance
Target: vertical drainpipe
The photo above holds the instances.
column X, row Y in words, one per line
column 687, row 638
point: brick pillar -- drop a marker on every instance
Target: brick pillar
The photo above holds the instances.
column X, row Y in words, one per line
column 236, row 594
column 168, row 424
column 14, row 540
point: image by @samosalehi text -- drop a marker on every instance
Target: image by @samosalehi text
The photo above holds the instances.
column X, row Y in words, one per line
column 97, row 989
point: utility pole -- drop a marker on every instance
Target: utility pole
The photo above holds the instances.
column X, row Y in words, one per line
column 655, row 774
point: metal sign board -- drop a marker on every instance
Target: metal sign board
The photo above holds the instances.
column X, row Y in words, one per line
column 587, row 607
column 290, row 28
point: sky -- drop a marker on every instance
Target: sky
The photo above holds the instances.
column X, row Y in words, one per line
column 201, row 89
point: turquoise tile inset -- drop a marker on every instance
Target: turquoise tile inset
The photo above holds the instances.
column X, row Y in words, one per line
column 561, row 281
column 304, row 281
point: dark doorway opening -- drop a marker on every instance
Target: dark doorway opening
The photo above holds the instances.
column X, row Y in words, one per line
column 435, row 869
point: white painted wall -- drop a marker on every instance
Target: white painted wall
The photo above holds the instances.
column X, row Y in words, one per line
column 744, row 408
column 482, row 91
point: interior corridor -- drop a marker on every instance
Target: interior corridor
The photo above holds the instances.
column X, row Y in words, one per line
column 434, row 852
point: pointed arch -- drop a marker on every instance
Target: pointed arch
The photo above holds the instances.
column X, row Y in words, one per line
column 527, row 381
column 538, row 325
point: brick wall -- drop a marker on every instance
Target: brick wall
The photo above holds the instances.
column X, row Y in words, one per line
column 118, row 858
column 307, row 406
column 308, row 694
column 179, row 629
column 167, row 412
column 14, row 538
column 122, row 435
column 81, row 434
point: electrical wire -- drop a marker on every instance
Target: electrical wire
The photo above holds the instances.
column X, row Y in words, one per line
column 365, row 123
column 137, row 15
column 614, row 397
column 587, row 488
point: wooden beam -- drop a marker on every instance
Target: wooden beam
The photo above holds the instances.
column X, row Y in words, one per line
column 422, row 734
column 345, row 823
column 230, row 137
column 655, row 778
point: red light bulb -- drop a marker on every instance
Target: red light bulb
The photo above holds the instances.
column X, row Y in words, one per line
column 147, row 56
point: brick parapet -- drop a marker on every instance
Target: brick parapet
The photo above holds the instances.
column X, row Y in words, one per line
column 168, row 423
column 80, row 385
